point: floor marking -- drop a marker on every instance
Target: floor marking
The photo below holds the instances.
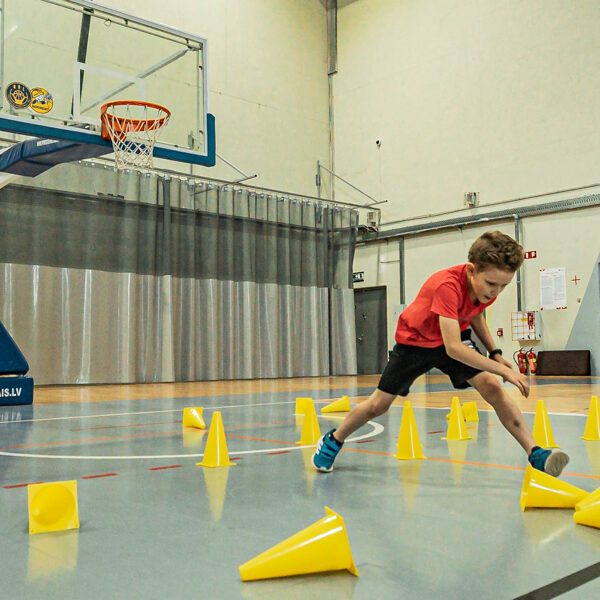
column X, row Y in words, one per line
column 21, row 485
column 564, row 584
column 98, row 476
column 377, row 429
column 162, row 468
column 279, row 452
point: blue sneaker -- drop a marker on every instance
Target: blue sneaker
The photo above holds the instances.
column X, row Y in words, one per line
column 549, row 461
column 327, row 449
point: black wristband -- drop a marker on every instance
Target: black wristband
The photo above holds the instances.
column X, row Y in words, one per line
column 494, row 352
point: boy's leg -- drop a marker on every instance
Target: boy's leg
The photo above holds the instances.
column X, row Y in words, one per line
column 550, row 461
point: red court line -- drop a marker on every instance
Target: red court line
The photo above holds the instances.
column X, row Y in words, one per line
column 162, row 468
column 280, row 452
column 98, row 476
column 365, row 441
column 20, row 485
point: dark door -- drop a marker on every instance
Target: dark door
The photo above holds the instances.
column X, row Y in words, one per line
column 370, row 311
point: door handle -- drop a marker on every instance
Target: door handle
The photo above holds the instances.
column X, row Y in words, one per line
column 360, row 338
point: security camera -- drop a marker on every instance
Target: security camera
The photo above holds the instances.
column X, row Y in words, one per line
column 378, row 143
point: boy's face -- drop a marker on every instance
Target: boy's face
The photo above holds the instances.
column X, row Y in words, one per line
column 484, row 285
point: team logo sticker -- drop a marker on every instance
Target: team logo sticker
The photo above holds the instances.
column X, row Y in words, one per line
column 41, row 100
column 18, row 95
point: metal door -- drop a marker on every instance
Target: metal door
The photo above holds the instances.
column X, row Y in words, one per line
column 370, row 311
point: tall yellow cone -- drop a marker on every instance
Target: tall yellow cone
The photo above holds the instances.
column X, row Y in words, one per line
column 470, row 412
column 541, row 490
column 310, row 430
column 215, row 452
column 590, row 515
column 341, row 405
column 52, row 506
column 192, row 417
column 322, row 546
column 456, row 424
column 542, row 432
column 301, row 405
column 409, row 444
column 592, row 425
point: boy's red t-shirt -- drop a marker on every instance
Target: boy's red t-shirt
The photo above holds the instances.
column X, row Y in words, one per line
column 445, row 293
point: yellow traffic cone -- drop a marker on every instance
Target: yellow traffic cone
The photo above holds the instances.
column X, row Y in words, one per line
column 590, row 515
column 409, row 444
column 542, row 432
column 301, row 405
column 215, row 451
column 341, row 405
column 456, row 424
column 592, row 425
column 310, row 430
column 52, row 506
column 541, row 490
column 592, row 498
column 322, row 546
column 192, row 417
column 470, row 412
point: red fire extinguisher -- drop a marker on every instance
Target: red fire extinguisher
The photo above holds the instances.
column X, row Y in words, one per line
column 521, row 360
column 532, row 360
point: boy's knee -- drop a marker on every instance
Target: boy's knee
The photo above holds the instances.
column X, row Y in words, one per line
column 379, row 403
column 489, row 387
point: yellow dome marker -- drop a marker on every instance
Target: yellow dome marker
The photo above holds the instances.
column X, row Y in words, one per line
column 322, row 546
column 52, row 506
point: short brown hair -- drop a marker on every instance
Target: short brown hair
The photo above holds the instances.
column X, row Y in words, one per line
column 496, row 249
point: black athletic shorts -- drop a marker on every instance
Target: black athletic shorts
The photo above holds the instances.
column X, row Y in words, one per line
column 406, row 363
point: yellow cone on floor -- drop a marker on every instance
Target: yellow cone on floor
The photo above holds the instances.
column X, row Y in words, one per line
column 409, row 444
column 541, row 490
column 542, row 432
column 322, row 546
column 310, row 429
column 215, row 451
column 590, row 515
column 52, row 506
column 456, row 423
column 301, row 405
column 592, row 425
column 341, row 405
column 192, row 417
column 592, row 498
column 470, row 412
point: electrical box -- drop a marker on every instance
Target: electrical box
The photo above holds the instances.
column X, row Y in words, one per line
column 526, row 325
column 471, row 199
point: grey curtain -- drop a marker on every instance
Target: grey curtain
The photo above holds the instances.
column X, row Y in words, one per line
column 124, row 277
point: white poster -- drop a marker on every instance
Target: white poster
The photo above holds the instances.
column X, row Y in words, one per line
column 553, row 288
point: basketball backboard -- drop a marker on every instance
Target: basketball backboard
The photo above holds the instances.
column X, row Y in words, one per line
column 60, row 60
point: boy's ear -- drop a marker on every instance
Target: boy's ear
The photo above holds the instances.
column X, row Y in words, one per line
column 471, row 268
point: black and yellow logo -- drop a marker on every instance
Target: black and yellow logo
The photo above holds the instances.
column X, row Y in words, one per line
column 41, row 100
column 18, row 95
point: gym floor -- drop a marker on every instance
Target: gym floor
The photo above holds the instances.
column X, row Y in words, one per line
column 155, row 525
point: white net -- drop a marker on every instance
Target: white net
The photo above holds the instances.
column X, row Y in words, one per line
column 133, row 129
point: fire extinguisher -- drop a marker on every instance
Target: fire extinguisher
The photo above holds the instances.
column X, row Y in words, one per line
column 532, row 360
column 521, row 360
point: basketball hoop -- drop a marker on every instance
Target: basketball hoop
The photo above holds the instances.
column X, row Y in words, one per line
column 133, row 127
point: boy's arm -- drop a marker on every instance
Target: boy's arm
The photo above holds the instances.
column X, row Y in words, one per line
column 462, row 353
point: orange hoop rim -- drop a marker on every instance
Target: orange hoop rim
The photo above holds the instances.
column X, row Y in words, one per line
column 122, row 124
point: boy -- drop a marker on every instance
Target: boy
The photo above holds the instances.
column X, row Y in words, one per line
column 433, row 331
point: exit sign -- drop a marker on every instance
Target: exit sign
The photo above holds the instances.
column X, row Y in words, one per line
column 530, row 254
column 358, row 276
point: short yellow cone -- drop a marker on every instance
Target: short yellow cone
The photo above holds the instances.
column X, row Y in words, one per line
column 310, row 429
column 52, row 506
column 341, row 405
column 593, row 498
column 541, row 490
column 215, row 451
column 542, row 432
column 409, row 444
column 456, row 424
column 592, row 425
column 301, row 405
column 192, row 417
column 322, row 546
column 470, row 412
column 590, row 515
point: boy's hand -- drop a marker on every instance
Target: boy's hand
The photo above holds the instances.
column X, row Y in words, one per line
column 498, row 358
column 517, row 379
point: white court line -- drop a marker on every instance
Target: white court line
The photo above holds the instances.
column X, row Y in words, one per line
column 146, row 412
column 377, row 429
column 556, row 414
